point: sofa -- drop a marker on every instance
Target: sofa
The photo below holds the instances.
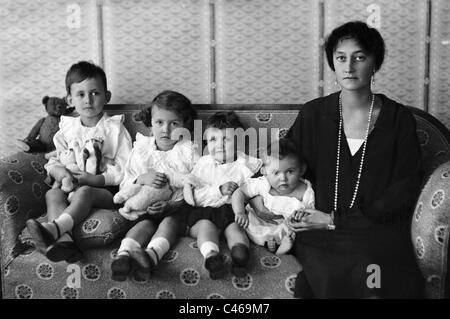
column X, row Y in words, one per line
column 181, row 274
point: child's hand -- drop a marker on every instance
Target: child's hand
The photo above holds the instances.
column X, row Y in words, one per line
column 60, row 172
column 241, row 219
column 153, row 178
column 85, row 178
column 157, row 208
column 228, row 188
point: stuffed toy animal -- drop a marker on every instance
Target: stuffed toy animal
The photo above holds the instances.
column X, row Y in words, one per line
column 138, row 197
column 88, row 160
column 40, row 138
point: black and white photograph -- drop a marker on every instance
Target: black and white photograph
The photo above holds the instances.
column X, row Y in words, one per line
column 251, row 151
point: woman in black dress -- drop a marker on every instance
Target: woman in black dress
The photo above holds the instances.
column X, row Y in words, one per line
column 364, row 161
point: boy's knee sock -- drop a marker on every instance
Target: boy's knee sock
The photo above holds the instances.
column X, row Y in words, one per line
column 208, row 247
column 240, row 255
column 157, row 248
column 127, row 244
column 60, row 225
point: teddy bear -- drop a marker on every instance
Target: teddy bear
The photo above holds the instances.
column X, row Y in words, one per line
column 138, row 198
column 40, row 138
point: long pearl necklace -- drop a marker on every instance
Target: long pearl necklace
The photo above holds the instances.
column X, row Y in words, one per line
column 336, row 185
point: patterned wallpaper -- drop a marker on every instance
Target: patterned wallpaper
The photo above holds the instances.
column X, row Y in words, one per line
column 155, row 45
column 39, row 41
column 403, row 71
column 266, row 51
column 440, row 62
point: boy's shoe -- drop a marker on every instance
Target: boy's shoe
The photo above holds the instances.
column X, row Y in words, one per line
column 43, row 239
column 121, row 268
column 46, row 244
column 142, row 265
column 64, row 251
column 215, row 265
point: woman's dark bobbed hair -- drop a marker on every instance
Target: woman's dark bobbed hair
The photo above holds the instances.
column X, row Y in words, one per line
column 368, row 38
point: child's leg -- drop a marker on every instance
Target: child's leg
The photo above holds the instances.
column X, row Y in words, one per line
column 238, row 243
column 43, row 234
column 83, row 200
column 145, row 260
column 207, row 236
column 286, row 244
column 135, row 238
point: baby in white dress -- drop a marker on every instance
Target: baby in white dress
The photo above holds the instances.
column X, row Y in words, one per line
column 284, row 192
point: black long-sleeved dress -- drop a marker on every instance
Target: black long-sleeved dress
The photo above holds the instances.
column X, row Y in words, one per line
column 370, row 253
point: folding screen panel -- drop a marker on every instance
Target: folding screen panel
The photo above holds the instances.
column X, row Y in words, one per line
column 155, row 45
column 267, row 51
column 440, row 61
column 39, row 40
column 403, row 25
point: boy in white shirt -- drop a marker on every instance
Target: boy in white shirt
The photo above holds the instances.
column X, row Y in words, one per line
column 86, row 91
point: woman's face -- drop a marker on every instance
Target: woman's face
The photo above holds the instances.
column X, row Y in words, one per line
column 353, row 66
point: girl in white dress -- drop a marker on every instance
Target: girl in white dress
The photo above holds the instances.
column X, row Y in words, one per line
column 158, row 160
column 284, row 193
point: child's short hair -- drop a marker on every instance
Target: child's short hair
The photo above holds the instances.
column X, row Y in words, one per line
column 83, row 70
column 172, row 101
column 282, row 148
column 223, row 120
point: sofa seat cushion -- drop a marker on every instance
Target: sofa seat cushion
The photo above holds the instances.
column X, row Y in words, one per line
column 101, row 228
column 180, row 274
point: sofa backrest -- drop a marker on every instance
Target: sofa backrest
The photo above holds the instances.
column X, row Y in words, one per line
column 276, row 119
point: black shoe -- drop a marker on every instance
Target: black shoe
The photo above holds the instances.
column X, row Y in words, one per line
column 121, row 268
column 216, row 266
column 64, row 251
column 142, row 265
column 43, row 239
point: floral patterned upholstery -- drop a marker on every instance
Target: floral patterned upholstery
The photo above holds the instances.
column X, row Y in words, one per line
column 181, row 274
column 430, row 232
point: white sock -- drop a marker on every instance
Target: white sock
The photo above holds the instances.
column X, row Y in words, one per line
column 157, row 248
column 64, row 222
column 207, row 247
column 127, row 244
column 65, row 237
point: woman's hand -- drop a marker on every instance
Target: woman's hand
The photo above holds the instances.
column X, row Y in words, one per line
column 241, row 219
column 310, row 219
column 262, row 212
